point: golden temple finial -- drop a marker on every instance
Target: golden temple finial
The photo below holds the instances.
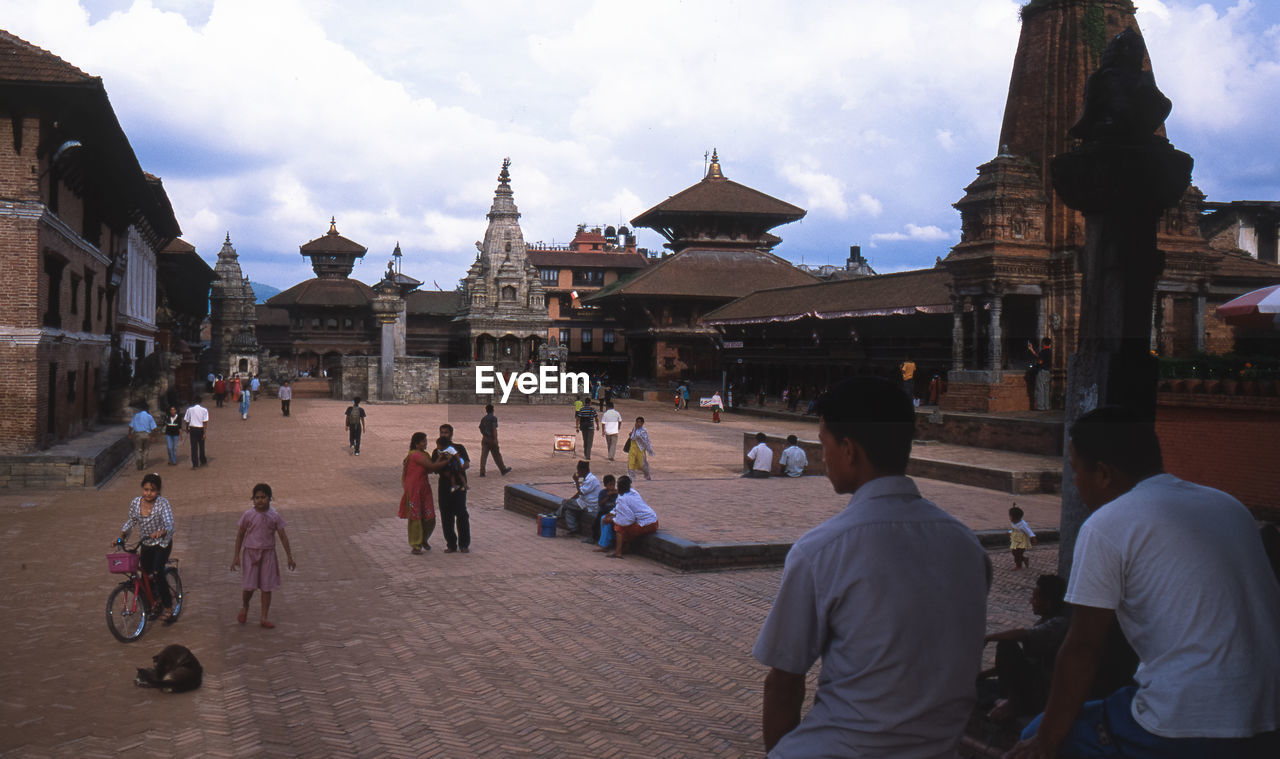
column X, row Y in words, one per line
column 333, row 225
column 713, row 171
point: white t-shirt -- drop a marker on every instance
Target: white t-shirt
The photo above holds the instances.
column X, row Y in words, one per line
column 761, row 457
column 1184, row 570
column 590, row 489
column 611, row 420
column 891, row 595
column 196, row 416
column 630, row 508
column 793, row 461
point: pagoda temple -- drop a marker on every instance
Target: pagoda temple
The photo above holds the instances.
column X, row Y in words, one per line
column 232, row 317
column 718, row 232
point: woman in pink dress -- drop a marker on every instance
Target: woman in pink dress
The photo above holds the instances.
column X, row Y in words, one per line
column 417, row 504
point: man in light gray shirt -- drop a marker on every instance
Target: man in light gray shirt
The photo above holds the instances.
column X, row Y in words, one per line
column 890, row 594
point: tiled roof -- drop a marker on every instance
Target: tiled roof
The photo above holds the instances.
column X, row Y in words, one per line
column 908, row 292
column 179, row 245
column 598, row 260
column 1242, row 265
column 717, row 195
column 332, row 242
column 445, row 302
column 23, row 62
column 709, row 273
column 345, row 293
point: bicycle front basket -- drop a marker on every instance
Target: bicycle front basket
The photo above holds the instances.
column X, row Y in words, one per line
column 122, row 563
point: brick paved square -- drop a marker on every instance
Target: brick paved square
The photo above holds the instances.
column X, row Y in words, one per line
column 526, row 646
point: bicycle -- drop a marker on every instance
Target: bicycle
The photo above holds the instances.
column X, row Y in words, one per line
column 132, row 603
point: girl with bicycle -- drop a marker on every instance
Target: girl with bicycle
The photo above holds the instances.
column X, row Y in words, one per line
column 152, row 515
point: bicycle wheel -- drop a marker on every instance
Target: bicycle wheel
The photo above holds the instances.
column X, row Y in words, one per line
column 126, row 613
column 174, row 582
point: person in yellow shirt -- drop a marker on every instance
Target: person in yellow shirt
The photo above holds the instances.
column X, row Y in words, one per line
column 909, row 377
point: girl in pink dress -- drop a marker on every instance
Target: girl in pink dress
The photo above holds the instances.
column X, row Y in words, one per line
column 257, row 535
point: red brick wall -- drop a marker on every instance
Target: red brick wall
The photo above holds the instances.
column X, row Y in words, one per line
column 1010, row 394
column 1230, row 443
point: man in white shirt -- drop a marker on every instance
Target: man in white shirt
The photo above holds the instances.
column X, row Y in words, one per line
column 631, row 518
column 890, row 594
column 760, row 458
column 1182, row 570
column 197, row 421
column 793, row 461
column 581, row 508
column 611, row 422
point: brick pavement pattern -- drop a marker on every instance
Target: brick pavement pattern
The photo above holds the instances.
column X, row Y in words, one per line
column 524, row 647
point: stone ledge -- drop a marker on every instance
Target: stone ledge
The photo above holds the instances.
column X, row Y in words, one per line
column 663, row 547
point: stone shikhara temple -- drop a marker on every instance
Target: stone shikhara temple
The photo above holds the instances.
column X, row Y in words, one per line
column 504, row 310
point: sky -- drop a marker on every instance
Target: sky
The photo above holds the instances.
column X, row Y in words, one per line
column 266, row 118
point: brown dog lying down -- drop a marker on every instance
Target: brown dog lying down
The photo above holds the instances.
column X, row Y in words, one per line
column 177, row 670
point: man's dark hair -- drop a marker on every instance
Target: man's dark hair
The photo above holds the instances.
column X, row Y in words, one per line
column 792, row 439
column 447, row 426
column 355, row 401
column 874, row 413
column 624, row 484
column 195, row 400
column 1119, row 437
column 584, row 465
column 608, row 403
column 761, row 437
column 488, row 408
column 1053, row 589
column 1047, row 342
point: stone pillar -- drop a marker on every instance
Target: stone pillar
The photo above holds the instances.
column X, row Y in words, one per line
column 1197, row 321
column 1042, row 318
column 957, row 332
column 995, row 348
column 1122, row 186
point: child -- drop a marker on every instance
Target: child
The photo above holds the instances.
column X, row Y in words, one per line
column 1020, row 538
column 453, row 465
column 257, row 534
column 605, row 505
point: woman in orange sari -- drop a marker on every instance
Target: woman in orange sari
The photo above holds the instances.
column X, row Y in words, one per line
column 417, row 504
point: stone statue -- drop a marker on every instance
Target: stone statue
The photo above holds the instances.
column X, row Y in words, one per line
column 1121, row 101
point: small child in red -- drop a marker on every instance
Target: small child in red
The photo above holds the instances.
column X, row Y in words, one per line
column 257, row 535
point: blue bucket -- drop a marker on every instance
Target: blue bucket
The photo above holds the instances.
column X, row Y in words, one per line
column 547, row 525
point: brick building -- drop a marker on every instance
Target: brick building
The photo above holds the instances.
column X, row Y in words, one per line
column 594, row 259
column 76, row 214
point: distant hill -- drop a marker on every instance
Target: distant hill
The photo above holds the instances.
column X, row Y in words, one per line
column 262, row 292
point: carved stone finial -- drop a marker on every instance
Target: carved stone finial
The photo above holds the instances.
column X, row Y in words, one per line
column 504, row 177
column 1121, row 100
column 228, row 240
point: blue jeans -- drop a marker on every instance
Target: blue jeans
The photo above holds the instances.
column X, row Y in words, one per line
column 1106, row 728
column 171, row 442
column 244, row 403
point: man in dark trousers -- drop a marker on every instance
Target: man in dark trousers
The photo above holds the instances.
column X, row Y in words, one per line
column 354, row 418
column 454, row 519
column 587, row 421
column 489, row 441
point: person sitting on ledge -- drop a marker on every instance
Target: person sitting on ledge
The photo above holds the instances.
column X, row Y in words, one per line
column 631, row 518
column 760, row 458
column 793, row 461
column 1025, row 656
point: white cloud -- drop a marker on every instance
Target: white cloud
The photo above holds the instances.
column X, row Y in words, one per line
column 266, row 119
column 927, row 233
